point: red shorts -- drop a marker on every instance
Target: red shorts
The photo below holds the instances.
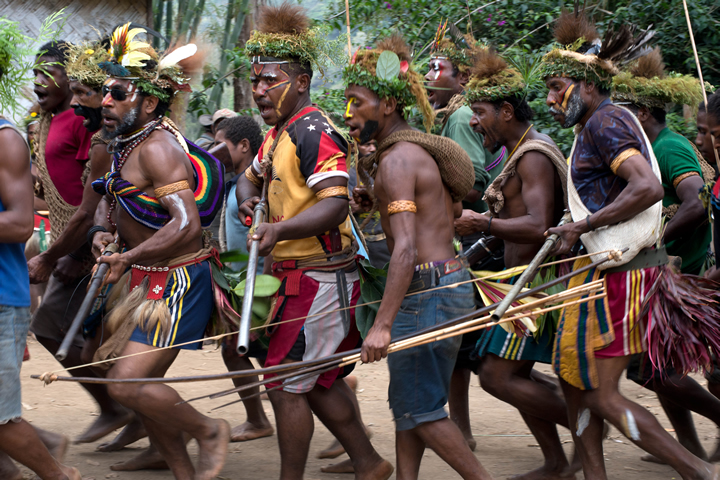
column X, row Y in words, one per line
column 326, row 331
column 626, row 292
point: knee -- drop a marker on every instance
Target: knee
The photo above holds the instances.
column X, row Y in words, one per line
column 491, row 382
column 125, row 394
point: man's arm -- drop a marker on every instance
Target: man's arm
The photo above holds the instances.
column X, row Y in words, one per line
column 537, row 177
column 184, row 227
column 642, row 191
column 691, row 213
column 404, row 253
column 75, row 234
column 316, row 220
column 16, row 189
column 248, row 195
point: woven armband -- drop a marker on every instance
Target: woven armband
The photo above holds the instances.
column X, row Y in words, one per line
column 253, row 179
column 401, row 206
column 620, row 159
column 172, row 188
column 682, row 177
column 340, row 192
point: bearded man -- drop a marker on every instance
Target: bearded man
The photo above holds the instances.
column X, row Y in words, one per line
column 152, row 209
column 614, row 193
column 416, row 206
column 525, row 200
column 304, row 173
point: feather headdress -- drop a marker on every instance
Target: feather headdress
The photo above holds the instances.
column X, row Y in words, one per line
column 284, row 35
column 386, row 70
column 491, row 79
column 159, row 76
column 645, row 83
column 580, row 54
column 449, row 42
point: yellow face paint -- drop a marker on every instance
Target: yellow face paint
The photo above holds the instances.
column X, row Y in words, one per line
column 566, row 96
column 347, row 110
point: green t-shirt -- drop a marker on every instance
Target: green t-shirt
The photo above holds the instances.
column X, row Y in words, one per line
column 458, row 128
column 676, row 157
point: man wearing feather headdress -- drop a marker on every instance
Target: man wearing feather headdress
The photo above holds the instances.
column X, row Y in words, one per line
column 451, row 58
column 419, row 181
column 159, row 193
column 524, row 200
column 614, row 193
column 647, row 91
column 302, row 170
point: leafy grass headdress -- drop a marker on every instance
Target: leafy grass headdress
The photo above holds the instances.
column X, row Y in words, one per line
column 161, row 77
column 387, row 72
column 491, row 79
column 283, row 35
column 646, row 84
column 579, row 53
column 82, row 63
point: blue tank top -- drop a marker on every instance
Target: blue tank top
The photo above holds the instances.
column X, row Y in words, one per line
column 14, row 279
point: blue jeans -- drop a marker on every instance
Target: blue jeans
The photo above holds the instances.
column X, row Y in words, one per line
column 14, row 326
column 420, row 376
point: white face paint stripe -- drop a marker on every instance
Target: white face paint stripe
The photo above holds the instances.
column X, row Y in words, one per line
column 132, row 99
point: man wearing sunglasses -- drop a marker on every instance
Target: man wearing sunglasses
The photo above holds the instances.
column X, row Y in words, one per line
column 152, row 208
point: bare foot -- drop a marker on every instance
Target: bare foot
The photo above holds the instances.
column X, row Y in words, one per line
column 56, row 444
column 132, row 432
column 213, row 452
column 352, row 382
column 543, row 473
column 149, row 459
column 8, row 469
column 248, row 431
column 71, row 472
column 104, row 425
column 715, row 457
column 336, row 449
column 382, row 471
column 345, row 466
column 472, row 443
column 575, row 465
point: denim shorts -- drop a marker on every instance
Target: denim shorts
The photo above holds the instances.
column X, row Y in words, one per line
column 14, row 326
column 420, row 376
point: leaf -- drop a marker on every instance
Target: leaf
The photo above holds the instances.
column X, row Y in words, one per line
column 265, row 286
column 261, row 307
column 388, row 65
column 233, row 256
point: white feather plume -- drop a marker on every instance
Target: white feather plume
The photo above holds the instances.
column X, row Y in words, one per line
column 177, row 55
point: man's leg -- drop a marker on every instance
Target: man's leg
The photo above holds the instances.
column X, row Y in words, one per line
column 714, row 388
column 257, row 424
column 21, row 442
column 587, row 432
column 409, row 448
column 458, row 403
column 639, row 425
column 334, row 407
column 8, row 470
column 295, row 427
column 164, row 414
column 446, row 439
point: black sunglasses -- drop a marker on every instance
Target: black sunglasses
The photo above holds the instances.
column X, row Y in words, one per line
column 116, row 93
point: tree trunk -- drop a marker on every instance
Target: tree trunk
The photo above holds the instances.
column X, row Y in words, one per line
column 242, row 91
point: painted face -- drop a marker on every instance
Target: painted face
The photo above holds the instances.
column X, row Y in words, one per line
column 51, row 84
column 121, row 107
column 440, row 83
column 273, row 91
column 362, row 114
column 566, row 105
column 87, row 103
column 486, row 122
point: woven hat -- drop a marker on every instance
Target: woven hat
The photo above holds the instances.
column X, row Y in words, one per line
column 82, row 63
column 386, row 70
column 451, row 44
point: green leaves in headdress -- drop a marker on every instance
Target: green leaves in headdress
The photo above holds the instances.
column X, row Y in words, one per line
column 388, row 65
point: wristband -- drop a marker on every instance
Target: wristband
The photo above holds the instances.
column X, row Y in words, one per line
column 92, row 231
column 489, row 223
column 589, row 225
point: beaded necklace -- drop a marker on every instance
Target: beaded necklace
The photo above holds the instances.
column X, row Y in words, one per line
column 138, row 138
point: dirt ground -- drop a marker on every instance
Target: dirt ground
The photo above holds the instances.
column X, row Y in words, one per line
column 504, row 444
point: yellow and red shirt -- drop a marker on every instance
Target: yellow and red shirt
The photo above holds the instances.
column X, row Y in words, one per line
column 309, row 151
